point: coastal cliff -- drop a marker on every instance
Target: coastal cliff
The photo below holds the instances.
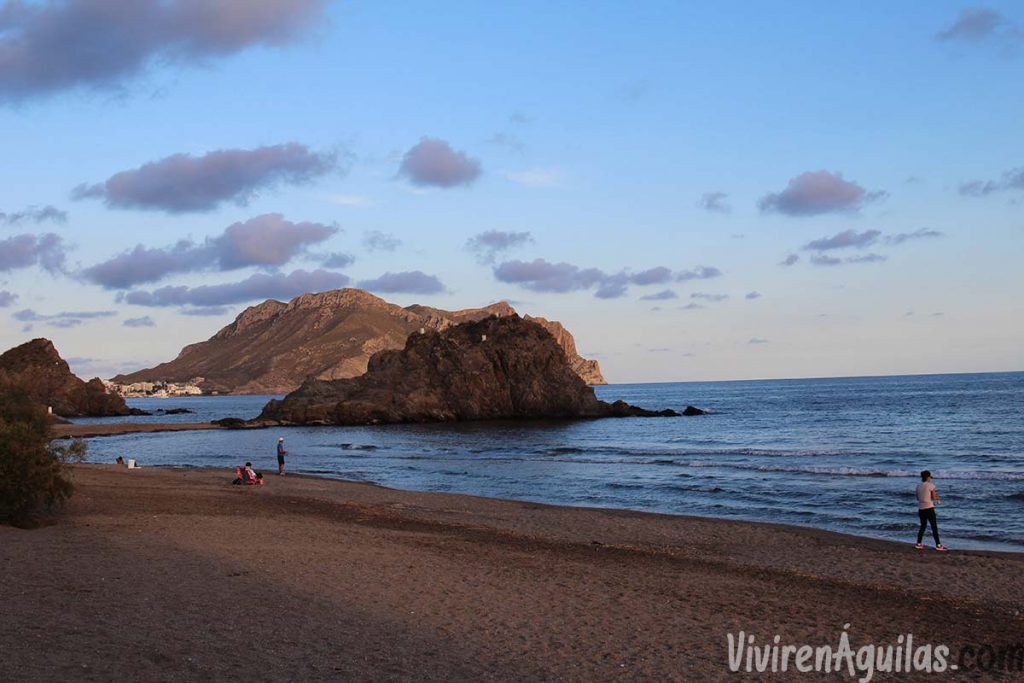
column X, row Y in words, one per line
column 50, row 382
column 496, row 368
column 273, row 347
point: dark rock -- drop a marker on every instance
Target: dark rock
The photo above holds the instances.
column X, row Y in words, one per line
column 174, row 411
column 231, row 423
column 50, row 382
column 691, row 411
column 496, row 368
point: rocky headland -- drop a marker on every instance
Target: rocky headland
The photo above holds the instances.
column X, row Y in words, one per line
column 497, row 368
column 37, row 366
column 274, row 347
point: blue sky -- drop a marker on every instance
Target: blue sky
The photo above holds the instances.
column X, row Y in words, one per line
column 640, row 173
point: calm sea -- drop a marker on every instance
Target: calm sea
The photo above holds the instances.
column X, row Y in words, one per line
column 840, row 454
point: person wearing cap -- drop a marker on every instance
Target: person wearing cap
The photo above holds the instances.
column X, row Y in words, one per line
column 927, row 497
column 281, row 452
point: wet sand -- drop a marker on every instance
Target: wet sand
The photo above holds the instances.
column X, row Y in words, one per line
column 173, row 575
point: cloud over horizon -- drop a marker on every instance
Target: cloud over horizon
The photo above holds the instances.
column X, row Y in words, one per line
column 819, row 192
column 844, row 240
column 7, row 299
column 978, row 25
column 406, row 282
column 541, row 275
column 268, row 240
column 55, row 45
column 65, row 319
column 144, row 321
column 23, row 251
column 34, row 214
column 1010, row 180
column 714, row 201
column 259, row 286
column 183, row 183
column 375, row 240
column 488, row 244
column 432, row 162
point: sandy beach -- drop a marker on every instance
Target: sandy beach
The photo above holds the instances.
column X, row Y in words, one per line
column 163, row 574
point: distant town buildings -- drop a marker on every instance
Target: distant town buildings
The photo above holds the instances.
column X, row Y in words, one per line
column 157, row 389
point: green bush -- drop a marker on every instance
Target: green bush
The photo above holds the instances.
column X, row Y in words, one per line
column 34, row 476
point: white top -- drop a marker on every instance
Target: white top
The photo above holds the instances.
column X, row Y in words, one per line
column 924, row 495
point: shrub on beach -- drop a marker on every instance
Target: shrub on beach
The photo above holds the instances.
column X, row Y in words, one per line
column 33, row 474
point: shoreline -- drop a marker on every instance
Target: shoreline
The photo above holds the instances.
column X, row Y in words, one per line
column 322, row 578
column 74, row 430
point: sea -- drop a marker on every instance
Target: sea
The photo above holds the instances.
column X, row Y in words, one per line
column 842, row 454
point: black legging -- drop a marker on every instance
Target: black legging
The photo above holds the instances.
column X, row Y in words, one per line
column 928, row 517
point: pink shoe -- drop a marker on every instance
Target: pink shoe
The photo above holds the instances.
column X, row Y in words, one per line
column 919, row 546
column 941, row 548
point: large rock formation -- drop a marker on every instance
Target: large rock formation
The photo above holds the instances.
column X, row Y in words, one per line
column 274, row 347
column 50, row 382
column 496, row 368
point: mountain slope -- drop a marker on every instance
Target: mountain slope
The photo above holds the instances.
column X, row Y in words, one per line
column 273, row 347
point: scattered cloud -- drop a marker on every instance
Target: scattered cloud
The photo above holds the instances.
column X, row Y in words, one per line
column 183, row 183
column 663, row 295
column 690, row 307
column 979, row 25
column 844, row 240
column 34, row 214
column 266, row 241
column 54, row 45
column 487, row 245
column 24, row 251
column 703, row 296
column 923, row 233
column 7, row 298
column 537, row 177
column 432, row 162
column 508, row 141
column 258, row 286
column 714, row 201
column 375, row 240
column 408, row 282
column 65, row 319
column 144, row 321
column 867, row 258
column 757, row 340
column 750, row 296
column 1010, row 180
column 818, row 192
column 789, row 260
column 337, row 260
column 540, row 275
column 698, row 273
column 826, row 260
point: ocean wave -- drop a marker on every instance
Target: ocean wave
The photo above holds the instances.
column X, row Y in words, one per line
column 358, row 447
column 1016, row 496
column 869, row 472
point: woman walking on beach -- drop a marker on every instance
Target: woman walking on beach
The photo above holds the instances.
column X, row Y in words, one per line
column 927, row 497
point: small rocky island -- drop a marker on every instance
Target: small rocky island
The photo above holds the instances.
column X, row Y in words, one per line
column 496, row 368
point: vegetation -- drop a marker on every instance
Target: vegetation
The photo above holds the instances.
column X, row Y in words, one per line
column 34, row 475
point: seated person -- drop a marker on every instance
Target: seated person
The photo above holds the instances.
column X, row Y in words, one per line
column 120, row 461
column 251, row 476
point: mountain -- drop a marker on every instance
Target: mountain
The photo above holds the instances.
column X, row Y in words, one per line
column 50, row 382
column 496, row 368
column 273, row 347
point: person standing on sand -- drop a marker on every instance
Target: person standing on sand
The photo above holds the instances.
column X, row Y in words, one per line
column 281, row 452
column 927, row 497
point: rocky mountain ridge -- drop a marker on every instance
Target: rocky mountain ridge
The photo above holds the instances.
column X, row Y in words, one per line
column 274, row 347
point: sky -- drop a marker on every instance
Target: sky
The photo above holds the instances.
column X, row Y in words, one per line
column 698, row 191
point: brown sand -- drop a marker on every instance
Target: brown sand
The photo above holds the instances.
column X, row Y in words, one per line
column 162, row 574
